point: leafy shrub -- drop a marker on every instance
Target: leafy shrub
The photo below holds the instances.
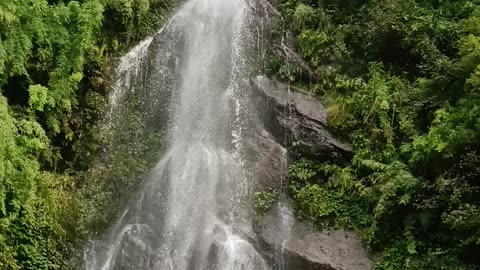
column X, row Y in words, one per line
column 263, row 201
column 400, row 79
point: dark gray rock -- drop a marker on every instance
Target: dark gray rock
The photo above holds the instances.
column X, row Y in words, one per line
column 269, row 159
column 295, row 117
column 301, row 246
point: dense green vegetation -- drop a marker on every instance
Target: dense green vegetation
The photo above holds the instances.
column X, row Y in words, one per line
column 401, row 79
column 54, row 63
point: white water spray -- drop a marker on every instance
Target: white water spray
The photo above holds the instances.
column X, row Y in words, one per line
column 192, row 212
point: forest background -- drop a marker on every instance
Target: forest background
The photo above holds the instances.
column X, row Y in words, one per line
column 400, row 78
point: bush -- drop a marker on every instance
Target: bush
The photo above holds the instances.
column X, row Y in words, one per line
column 404, row 93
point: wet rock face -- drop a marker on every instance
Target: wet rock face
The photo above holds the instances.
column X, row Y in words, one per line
column 295, row 117
column 270, row 160
column 306, row 248
column 286, row 117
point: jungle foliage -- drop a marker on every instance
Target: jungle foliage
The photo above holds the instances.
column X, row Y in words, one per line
column 54, row 60
column 401, row 79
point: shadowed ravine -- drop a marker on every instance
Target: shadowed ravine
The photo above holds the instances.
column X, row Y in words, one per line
column 192, row 212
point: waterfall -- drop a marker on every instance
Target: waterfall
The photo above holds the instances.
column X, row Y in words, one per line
column 192, row 211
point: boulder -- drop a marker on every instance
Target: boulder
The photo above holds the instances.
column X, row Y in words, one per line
column 291, row 116
column 269, row 159
column 298, row 245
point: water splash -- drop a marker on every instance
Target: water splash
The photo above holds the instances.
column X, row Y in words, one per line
column 129, row 71
column 286, row 221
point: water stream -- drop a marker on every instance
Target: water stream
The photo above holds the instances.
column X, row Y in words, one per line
column 193, row 210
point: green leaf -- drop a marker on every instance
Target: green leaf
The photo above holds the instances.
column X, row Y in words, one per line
column 38, row 97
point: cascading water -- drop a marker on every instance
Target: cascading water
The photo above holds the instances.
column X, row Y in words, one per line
column 192, row 212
